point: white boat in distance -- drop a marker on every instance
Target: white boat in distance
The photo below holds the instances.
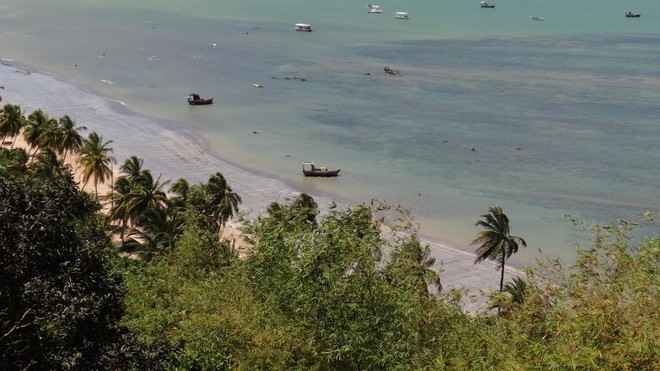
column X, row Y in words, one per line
column 538, row 18
column 303, row 27
column 401, row 15
column 375, row 9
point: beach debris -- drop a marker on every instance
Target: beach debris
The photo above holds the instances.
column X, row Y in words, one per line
column 390, row 70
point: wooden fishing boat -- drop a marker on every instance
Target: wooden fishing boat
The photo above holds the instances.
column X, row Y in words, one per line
column 374, row 9
column 195, row 100
column 303, row 27
column 309, row 169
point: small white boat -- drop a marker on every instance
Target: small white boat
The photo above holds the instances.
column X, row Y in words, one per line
column 401, row 15
column 484, row 4
column 374, row 9
column 538, row 18
column 303, row 27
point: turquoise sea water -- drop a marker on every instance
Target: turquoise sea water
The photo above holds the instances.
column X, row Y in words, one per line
column 544, row 118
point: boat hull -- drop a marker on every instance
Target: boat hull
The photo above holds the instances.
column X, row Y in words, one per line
column 321, row 173
column 200, row 102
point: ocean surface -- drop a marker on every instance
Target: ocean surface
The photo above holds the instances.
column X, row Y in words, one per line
column 489, row 107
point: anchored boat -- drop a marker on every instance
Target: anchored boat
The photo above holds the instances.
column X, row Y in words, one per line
column 309, row 169
column 195, row 100
column 303, row 27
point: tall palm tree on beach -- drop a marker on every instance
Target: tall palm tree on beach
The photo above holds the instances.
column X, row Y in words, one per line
column 180, row 190
column 70, row 138
column 37, row 122
column 213, row 204
column 12, row 121
column 95, row 160
column 223, row 198
column 50, row 135
column 146, row 193
column 119, row 201
column 495, row 242
column 132, row 168
column 160, row 229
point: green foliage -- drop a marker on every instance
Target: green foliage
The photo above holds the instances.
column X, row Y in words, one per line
column 138, row 199
column 194, row 299
column 13, row 162
column 59, row 301
column 332, row 281
column 601, row 313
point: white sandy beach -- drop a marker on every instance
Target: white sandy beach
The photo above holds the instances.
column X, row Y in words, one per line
column 177, row 155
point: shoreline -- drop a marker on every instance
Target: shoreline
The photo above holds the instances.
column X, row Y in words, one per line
column 177, row 154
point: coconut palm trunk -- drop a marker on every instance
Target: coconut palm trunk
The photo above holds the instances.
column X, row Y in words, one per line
column 502, row 276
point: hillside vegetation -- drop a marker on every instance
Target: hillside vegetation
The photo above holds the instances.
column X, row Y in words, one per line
column 151, row 284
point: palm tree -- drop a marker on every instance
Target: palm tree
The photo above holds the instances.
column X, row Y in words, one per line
column 518, row 289
column 120, row 200
column 223, row 199
column 160, row 229
column 47, row 165
column 11, row 122
column 95, row 161
column 146, row 193
column 495, row 242
column 181, row 190
column 212, row 204
column 70, row 139
column 50, row 133
column 132, row 167
column 36, row 124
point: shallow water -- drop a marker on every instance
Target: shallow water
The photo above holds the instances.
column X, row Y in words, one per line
column 544, row 118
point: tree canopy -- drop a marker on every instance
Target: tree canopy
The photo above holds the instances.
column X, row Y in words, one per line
column 60, row 301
